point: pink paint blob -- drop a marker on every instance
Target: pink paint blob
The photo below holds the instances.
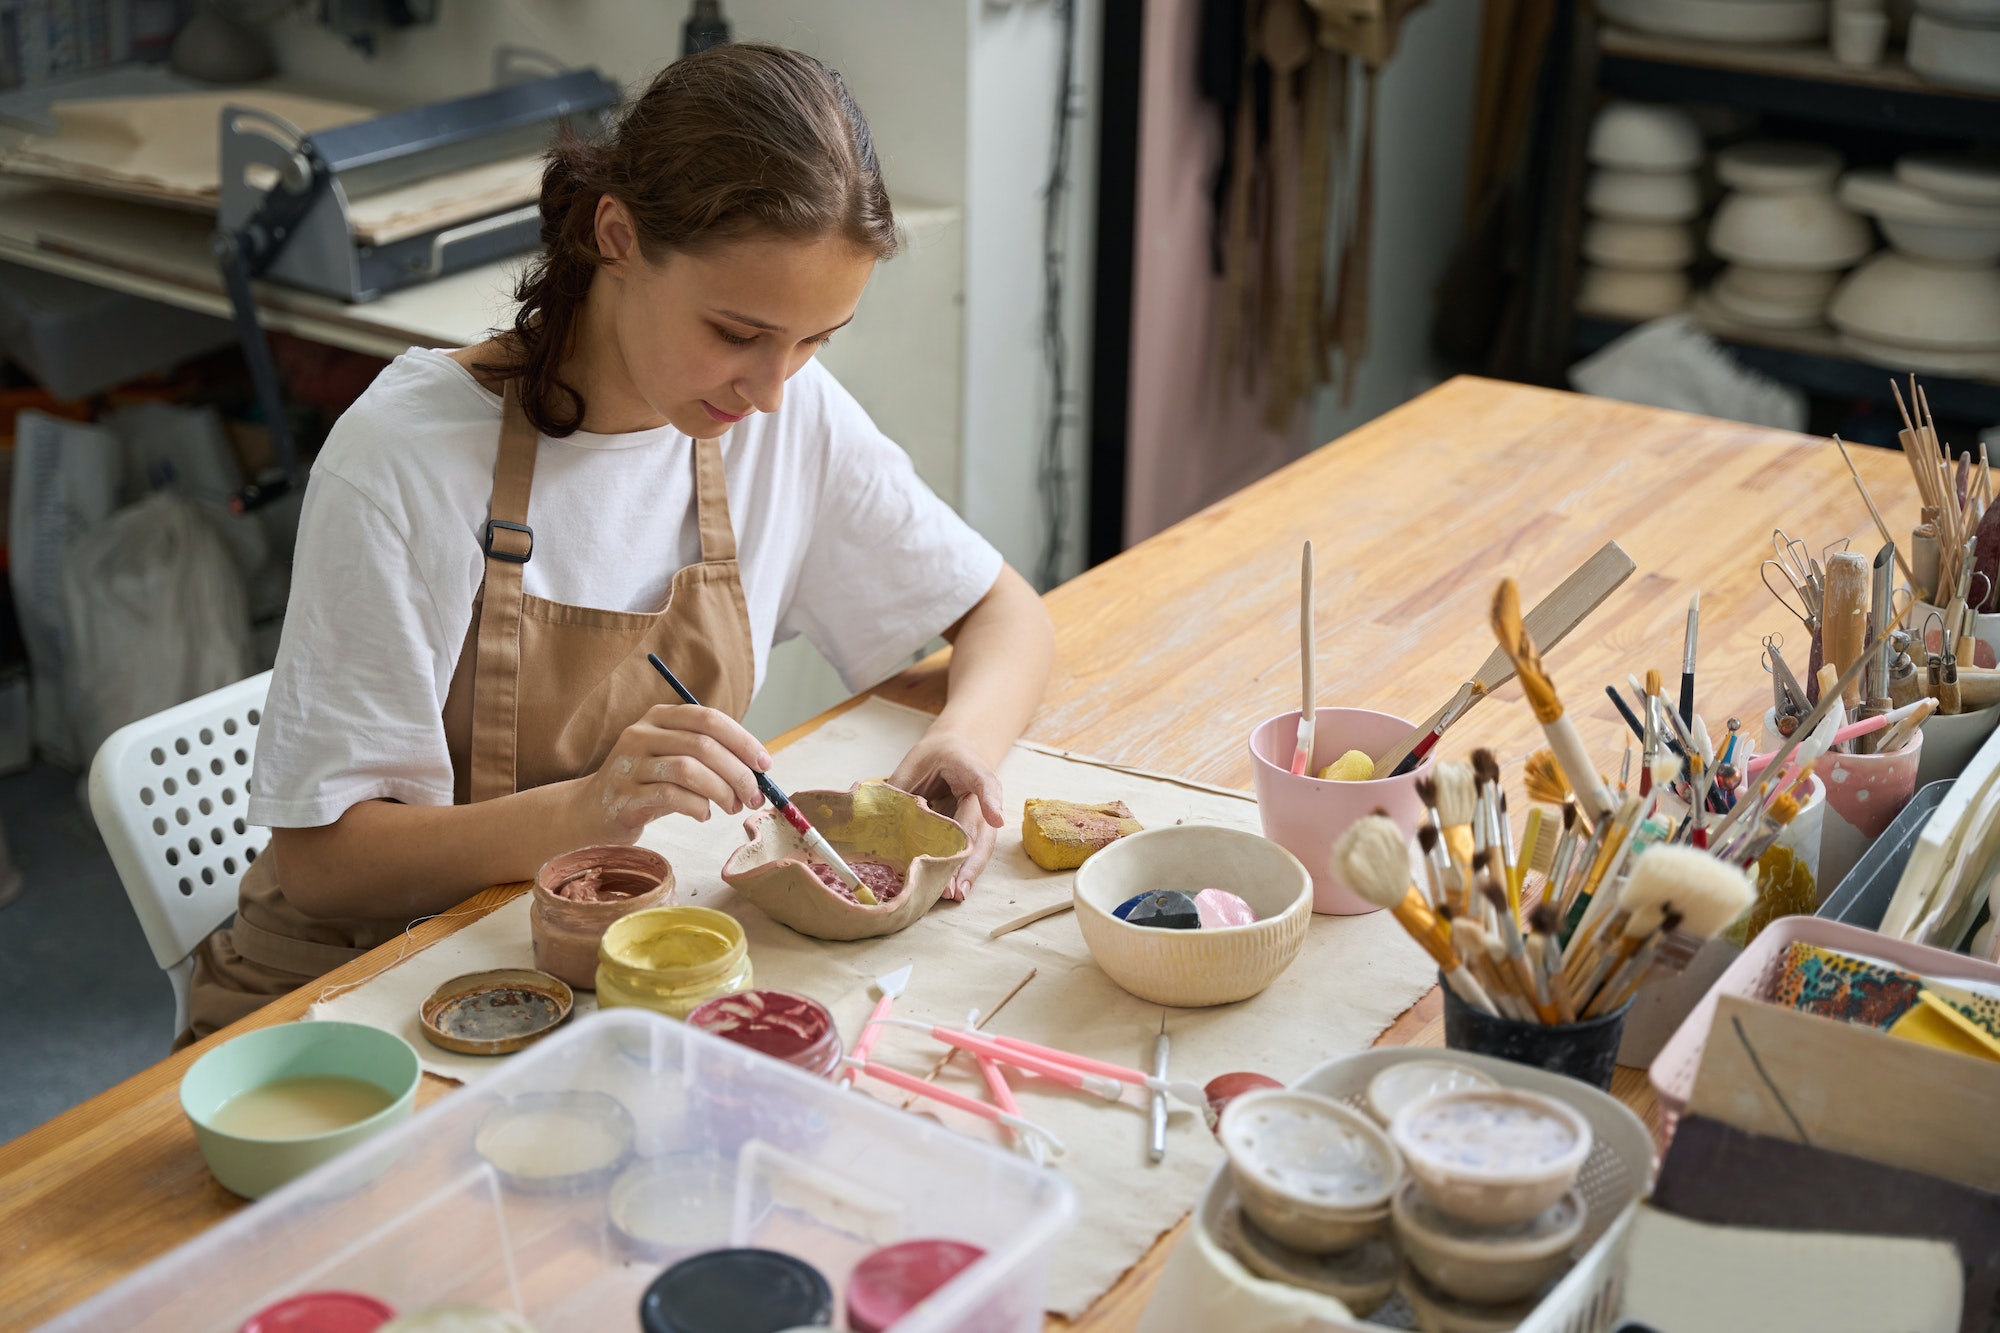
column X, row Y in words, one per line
column 882, row 879
column 1219, row 907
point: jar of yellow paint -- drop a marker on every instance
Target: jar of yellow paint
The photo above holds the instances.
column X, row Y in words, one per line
column 671, row 959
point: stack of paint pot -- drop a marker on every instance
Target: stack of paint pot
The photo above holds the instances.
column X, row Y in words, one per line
column 1643, row 197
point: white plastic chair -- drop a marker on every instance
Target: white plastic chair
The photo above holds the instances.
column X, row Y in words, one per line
column 169, row 793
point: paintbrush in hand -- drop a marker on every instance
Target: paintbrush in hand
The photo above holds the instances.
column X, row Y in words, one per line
column 815, row 840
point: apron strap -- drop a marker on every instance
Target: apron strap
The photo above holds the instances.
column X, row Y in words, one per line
column 711, row 503
column 496, row 668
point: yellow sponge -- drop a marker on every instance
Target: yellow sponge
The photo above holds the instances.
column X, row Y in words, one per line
column 1354, row 766
column 1061, row 835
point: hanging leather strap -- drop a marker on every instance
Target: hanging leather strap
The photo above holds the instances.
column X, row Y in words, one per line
column 711, row 503
column 496, row 670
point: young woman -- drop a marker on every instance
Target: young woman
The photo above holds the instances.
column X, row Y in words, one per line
column 648, row 461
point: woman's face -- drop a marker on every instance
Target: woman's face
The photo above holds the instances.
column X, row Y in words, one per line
column 701, row 341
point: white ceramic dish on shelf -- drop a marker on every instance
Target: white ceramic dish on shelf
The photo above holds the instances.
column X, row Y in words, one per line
column 1643, row 196
column 1631, row 294
column 1931, row 360
column 1898, row 299
column 1958, row 55
column 1959, row 178
column 1723, row 20
column 1644, row 136
column 1803, row 229
column 1920, row 223
column 1978, row 13
column 1765, row 311
column 1638, row 245
column 1790, row 286
column 1774, row 165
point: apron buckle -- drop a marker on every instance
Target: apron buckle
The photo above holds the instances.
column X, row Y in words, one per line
column 511, row 557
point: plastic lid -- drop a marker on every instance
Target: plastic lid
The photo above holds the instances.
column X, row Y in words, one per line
column 736, row 1291
column 892, row 1281
column 321, row 1312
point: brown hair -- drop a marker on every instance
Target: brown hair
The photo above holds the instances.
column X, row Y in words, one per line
column 736, row 140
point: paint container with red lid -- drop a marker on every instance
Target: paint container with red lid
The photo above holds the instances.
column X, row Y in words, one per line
column 784, row 1026
column 321, row 1312
column 737, row 1291
column 894, row 1280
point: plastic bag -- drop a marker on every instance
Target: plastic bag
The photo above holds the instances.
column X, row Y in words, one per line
column 1671, row 363
column 157, row 615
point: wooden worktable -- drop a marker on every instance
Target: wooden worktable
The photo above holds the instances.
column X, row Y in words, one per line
column 1169, row 654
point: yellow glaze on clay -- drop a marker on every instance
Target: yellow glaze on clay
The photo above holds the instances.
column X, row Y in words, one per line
column 671, row 959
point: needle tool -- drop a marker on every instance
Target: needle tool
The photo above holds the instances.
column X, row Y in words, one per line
column 1302, row 748
column 815, row 841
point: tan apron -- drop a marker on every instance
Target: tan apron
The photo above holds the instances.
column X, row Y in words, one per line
column 540, row 694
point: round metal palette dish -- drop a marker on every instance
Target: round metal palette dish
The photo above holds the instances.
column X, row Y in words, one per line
column 493, row 1013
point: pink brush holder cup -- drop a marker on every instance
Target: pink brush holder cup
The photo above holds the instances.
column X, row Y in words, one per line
column 1306, row 815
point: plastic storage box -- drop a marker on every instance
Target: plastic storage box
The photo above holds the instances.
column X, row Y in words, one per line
column 727, row 1146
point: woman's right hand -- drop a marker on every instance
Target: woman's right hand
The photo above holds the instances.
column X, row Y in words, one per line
column 678, row 759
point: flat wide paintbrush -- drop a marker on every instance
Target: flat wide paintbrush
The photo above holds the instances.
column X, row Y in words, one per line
column 1302, row 748
column 1375, row 862
column 815, row 840
column 1520, row 647
column 1550, row 623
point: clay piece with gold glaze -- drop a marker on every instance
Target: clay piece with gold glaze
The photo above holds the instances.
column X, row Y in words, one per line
column 870, row 821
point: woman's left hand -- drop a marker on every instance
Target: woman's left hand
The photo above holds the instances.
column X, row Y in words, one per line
column 947, row 772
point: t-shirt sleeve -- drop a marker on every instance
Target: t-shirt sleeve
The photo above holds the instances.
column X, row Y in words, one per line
column 355, row 711
column 889, row 565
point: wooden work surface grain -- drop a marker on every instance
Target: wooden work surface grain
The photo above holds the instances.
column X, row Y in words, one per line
column 1169, row 654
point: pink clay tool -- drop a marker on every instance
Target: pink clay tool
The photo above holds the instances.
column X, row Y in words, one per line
column 815, row 841
column 1003, row 1097
column 1067, row 1075
column 890, row 986
column 1302, row 749
column 1008, row 1047
column 896, row 1078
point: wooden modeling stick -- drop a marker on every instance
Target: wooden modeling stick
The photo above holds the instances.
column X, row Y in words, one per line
column 1844, row 627
column 1549, row 624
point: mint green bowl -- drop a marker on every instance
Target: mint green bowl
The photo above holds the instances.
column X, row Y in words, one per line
column 255, row 1167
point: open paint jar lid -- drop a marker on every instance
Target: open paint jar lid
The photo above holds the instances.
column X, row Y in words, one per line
column 556, row 1142
column 737, row 1291
column 321, row 1312
column 896, row 1279
column 495, row 1013
column 787, row 1027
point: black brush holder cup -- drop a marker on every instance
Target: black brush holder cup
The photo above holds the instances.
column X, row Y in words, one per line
column 1585, row 1051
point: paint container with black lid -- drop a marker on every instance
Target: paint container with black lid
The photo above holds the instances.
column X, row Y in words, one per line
column 737, row 1291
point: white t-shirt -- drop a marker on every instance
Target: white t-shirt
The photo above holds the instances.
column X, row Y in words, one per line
column 837, row 537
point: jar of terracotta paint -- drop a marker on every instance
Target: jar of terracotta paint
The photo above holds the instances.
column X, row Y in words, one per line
column 671, row 960
column 579, row 894
column 792, row 1028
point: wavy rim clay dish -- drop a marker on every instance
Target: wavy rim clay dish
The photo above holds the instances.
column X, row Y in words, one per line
column 869, row 821
column 521, row 1006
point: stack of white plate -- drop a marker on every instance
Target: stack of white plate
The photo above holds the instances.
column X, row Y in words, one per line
column 1933, row 301
column 1784, row 234
column 1957, row 42
column 1775, row 21
column 1642, row 199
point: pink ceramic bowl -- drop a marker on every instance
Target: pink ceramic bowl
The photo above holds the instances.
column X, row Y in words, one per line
column 1306, row 816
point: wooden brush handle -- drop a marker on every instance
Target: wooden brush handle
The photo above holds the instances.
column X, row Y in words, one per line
column 1306, row 633
column 1844, row 628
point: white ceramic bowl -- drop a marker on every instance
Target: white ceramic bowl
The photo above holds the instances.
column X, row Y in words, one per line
column 1192, row 968
column 1492, row 1156
column 1959, row 178
column 1765, row 313
column 1413, row 1080
column 1723, row 20
column 1438, row 1313
column 1919, row 223
column 1957, row 54
column 1635, row 294
column 1934, row 360
column 1895, row 298
column 1978, row 13
column 1796, row 229
column 1776, row 165
column 1644, row 136
column 1795, row 285
column 1312, row 1174
column 1638, row 245
column 1486, row 1265
column 1644, row 196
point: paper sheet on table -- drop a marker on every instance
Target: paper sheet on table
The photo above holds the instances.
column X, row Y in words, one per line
column 1355, row 975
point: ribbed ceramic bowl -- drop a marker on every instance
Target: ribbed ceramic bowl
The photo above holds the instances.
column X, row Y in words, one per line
column 869, row 821
column 1192, row 968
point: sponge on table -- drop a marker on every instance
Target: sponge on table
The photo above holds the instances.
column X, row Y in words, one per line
column 1061, row 835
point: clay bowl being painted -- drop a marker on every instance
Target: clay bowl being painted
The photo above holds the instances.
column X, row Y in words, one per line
column 1306, row 815
column 870, row 821
column 1191, row 968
